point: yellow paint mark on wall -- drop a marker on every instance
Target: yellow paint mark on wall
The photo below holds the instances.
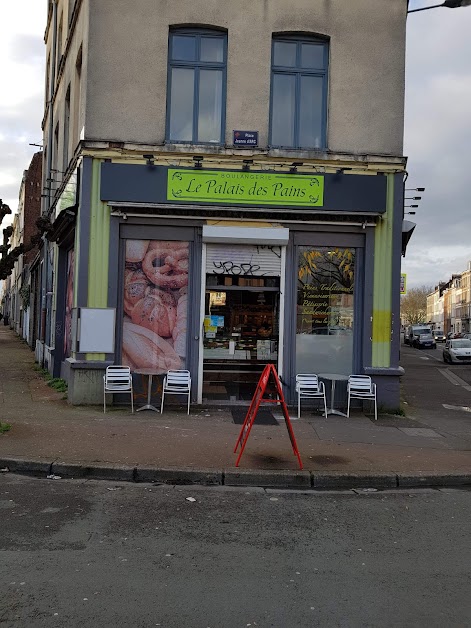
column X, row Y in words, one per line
column 381, row 326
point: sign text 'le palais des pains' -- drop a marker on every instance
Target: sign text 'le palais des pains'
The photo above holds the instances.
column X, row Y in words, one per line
column 244, row 188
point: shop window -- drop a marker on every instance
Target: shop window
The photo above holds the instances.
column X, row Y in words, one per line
column 196, row 86
column 241, row 334
column 325, row 310
column 155, row 305
column 298, row 108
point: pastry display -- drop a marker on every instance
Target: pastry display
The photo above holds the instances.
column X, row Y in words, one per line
column 155, row 304
column 165, row 267
column 136, row 249
column 135, row 286
column 148, row 350
column 157, row 311
column 179, row 331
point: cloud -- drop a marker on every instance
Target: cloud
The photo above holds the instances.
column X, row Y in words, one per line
column 27, row 49
column 22, row 51
column 430, row 266
column 437, row 140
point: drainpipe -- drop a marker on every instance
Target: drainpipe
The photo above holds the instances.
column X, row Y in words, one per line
column 45, row 297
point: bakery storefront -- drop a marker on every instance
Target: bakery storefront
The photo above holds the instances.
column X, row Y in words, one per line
column 222, row 272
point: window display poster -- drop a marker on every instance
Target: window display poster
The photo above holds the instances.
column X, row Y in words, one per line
column 263, row 349
column 155, row 305
column 69, row 303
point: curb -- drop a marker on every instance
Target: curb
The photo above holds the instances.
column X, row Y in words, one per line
column 117, row 472
column 324, row 480
column 268, row 479
column 443, row 479
column 205, row 477
column 232, row 477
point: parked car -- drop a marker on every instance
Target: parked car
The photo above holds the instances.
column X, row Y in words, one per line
column 438, row 335
column 424, row 341
column 453, row 334
column 457, row 350
column 414, row 331
column 467, row 336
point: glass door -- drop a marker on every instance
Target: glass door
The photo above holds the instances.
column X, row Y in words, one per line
column 325, row 310
column 241, row 334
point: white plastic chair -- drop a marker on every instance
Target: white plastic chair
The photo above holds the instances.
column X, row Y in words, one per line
column 117, row 379
column 361, row 387
column 308, row 385
column 176, row 382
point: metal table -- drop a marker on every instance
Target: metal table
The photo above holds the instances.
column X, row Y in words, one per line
column 333, row 377
column 150, row 373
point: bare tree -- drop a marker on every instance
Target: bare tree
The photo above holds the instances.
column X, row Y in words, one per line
column 414, row 305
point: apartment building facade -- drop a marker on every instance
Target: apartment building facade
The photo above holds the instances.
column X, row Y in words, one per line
column 18, row 296
column 225, row 188
column 449, row 305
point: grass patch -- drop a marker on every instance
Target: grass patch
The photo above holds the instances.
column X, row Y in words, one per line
column 57, row 383
column 4, row 427
column 393, row 411
column 39, row 369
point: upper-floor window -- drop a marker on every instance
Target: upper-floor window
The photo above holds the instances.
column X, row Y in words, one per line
column 196, row 86
column 59, row 46
column 298, row 108
column 48, row 78
column 65, row 137
column 70, row 10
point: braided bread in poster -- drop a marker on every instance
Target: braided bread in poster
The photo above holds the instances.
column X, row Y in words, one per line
column 155, row 300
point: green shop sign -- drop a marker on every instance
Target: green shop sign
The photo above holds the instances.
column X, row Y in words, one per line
column 244, row 188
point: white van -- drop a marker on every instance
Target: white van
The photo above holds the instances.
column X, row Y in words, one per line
column 416, row 330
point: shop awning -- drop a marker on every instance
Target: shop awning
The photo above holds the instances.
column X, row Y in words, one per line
column 246, row 235
column 407, row 231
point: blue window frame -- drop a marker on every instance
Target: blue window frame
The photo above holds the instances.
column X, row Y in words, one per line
column 196, row 90
column 298, row 100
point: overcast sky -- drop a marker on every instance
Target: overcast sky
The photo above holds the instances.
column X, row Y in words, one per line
column 437, row 137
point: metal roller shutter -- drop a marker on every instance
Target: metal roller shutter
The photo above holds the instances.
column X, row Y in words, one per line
column 241, row 259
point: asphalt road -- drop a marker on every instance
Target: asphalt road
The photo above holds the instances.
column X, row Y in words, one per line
column 99, row 554
column 439, row 394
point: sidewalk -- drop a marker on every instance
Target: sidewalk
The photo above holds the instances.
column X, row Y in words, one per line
column 48, row 436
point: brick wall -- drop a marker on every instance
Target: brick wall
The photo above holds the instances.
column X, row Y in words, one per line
column 32, row 202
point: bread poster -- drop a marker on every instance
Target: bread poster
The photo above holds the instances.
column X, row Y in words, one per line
column 155, row 305
column 69, row 304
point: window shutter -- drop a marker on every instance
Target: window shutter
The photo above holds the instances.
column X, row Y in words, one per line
column 239, row 259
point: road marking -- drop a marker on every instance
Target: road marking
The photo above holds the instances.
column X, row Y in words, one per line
column 454, row 379
column 462, row 408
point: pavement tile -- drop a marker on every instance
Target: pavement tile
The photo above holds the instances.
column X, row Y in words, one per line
column 420, row 431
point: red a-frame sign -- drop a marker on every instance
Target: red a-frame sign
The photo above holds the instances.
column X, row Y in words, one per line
column 259, row 398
